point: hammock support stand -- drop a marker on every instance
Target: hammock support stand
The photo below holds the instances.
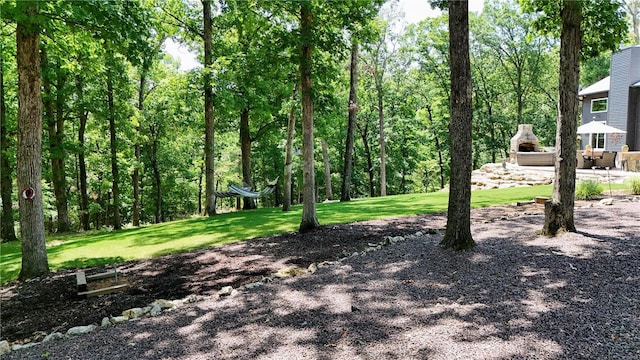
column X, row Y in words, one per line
column 246, row 191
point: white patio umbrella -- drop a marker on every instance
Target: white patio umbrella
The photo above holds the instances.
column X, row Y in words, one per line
column 596, row 127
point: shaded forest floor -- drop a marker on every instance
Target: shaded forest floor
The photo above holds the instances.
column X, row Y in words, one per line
column 31, row 310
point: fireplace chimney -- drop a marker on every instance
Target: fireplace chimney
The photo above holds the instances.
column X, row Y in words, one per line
column 524, row 140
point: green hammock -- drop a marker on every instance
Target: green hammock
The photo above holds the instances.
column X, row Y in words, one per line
column 246, row 191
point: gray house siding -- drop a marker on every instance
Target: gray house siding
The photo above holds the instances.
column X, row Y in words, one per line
column 623, row 109
column 622, row 90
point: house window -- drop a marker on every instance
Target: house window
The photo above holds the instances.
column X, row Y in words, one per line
column 599, row 105
column 597, row 141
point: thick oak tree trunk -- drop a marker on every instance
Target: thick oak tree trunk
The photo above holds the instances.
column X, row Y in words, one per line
column 309, row 217
column 29, row 151
column 345, row 193
column 559, row 211
column 458, row 233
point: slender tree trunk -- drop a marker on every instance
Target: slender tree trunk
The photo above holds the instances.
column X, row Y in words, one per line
column 287, row 187
column 367, row 152
column 7, row 229
column 345, row 194
column 114, row 151
column 58, row 154
column 156, row 174
column 458, row 233
column 200, row 176
column 437, row 141
column 309, row 217
column 383, row 146
column 245, row 155
column 83, row 115
column 210, row 184
column 559, row 211
column 135, row 176
column 55, row 126
column 29, row 151
column 327, row 169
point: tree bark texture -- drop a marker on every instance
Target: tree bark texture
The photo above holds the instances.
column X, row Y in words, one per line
column 345, row 193
column 245, row 156
column 327, row 169
column 458, row 233
column 114, row 152
column 559, row 211
column 210, row 185
column 7, row 229
column 309, row 217
column 288, row 163
column 29, row 151
column 83, row 115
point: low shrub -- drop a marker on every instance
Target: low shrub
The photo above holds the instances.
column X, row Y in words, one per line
column 633, row 184
column 588, row 189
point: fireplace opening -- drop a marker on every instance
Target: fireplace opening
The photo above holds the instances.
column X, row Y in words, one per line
column 527, row 147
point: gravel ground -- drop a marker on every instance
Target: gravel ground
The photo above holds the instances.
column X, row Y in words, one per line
column 516, row 296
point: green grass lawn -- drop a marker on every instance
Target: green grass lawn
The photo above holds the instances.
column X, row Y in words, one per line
column 71, row 251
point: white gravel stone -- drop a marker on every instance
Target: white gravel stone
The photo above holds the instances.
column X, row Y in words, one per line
column 105, row 322
column 53, row 336
column 225, row 291
column 133, row 313
column 4, row 347
column 79, row 330
column 164, row 304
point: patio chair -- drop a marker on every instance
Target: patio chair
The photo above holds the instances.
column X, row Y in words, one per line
column 582, row 162
column 608, row 159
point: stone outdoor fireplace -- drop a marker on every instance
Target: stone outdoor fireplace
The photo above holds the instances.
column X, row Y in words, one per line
column 524, row 149
column 524, row 140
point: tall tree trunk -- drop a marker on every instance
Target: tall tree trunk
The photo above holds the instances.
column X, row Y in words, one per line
column 458, row 233
column 7, row 229
column 135, row 176
column 383, row 146
column 559, row 211
column 29, row 151
column 114, row 151
column 83, row 115
column 55, row 126
column 156, row 174
column 200, row 176
column 345, row 193
column 327, row 169
column 439, row 148
column 58, row 154
column 210, row 184
column 367, row 152
column 245, row 155
column 287, row 187
column 309, row 217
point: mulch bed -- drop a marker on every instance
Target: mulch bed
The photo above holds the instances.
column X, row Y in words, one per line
column 30, row 310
